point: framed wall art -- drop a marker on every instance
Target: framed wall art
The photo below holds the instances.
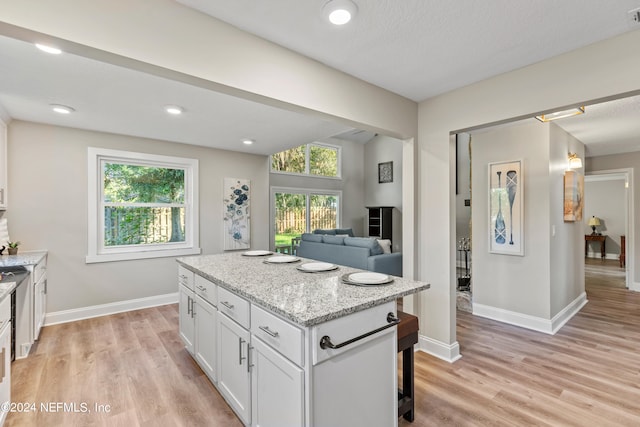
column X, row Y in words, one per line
column 573, row 196
column 385, row 172
column 236, row 204
column 506, row 208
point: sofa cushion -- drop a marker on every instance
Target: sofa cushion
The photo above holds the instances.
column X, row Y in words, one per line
column 364, row 242
column 333, row 240
column 348, row 231
column 331, row 231
column 308, row 237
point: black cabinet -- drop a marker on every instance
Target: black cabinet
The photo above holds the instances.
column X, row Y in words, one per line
column 380, row 221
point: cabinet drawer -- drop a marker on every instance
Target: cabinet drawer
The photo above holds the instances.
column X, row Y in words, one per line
column 277, row 333
column 235, row 307
column 185, row 277
column 207, row 290
column 350, row 327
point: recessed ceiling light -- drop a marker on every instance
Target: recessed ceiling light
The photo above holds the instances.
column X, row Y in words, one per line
column 248, row 141
column 339, row 12
column 174, row 109
column 62, row 109
column 48, row 49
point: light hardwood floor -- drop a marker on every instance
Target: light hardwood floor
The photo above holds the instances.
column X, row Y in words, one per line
column 585, row 375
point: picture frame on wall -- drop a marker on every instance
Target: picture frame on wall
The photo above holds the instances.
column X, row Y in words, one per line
column 385, row 172
column 506, row 208
column 573, row 205
column 236, row 207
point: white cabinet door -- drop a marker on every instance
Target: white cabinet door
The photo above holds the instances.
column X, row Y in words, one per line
column 234, row 376
column 5, row 368
column 40, row 302
column 206, row 337
column 277, row 388
column 187, row 320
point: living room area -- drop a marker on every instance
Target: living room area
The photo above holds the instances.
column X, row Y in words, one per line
column 336, row 183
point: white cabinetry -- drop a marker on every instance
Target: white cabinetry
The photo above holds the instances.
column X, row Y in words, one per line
column 206, row 337
column 3, row 166
column 187, row 300
column 5, row 355
column 234, row 366
column 39, row 296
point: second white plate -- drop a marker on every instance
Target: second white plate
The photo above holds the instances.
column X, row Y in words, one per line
column 281, row 259
column 314, row 267
column 257, row 253
column 369, row 278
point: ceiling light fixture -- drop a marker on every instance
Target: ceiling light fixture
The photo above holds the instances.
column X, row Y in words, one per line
column 575, row 162
column 49, row 49
column 174, row 109
column 248, row 141
column 339, row 12
column 560, row 114
column 62, row 109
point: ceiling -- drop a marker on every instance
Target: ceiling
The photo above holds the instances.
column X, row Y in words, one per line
column 416, row 48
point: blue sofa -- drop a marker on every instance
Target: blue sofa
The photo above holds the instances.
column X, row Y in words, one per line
column 359, row 252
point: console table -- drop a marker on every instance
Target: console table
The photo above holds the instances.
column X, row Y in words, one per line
column 595, row 238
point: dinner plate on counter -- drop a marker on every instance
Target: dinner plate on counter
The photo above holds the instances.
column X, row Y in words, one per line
column 281, row 259
column 316, row 267
column 366, row 279
column 258, row 252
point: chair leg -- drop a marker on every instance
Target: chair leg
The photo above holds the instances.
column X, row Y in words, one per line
column 407, row 381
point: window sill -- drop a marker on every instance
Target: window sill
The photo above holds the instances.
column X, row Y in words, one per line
column 127, row 256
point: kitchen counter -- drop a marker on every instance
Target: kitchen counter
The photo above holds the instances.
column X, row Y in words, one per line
column 22, row 258
column 11, row 281
column 306, row 299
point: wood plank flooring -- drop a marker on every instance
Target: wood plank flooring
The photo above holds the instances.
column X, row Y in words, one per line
column 585, row 375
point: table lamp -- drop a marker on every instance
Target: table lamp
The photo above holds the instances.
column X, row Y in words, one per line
column 593, row 222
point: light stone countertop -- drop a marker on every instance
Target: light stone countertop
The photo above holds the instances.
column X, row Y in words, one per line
column 22, row 258
column 306, row 299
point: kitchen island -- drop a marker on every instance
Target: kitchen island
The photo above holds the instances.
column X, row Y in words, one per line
column 287, row 347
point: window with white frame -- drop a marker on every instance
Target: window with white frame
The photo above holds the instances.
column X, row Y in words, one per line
column 322, row 160
column 141, row 206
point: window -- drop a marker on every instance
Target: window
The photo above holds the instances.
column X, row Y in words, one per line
column 296, row 211
column 141, row 206
column 311, row 159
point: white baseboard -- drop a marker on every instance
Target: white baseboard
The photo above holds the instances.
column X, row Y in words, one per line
column 72, row 315
column 597, row 255
column 547, row 326
column 447, row 352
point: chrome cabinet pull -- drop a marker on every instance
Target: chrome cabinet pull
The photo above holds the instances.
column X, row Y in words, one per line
column 226, row 304
column 249, row 364
column 189, row 308
column 240, row 358
column 193, row 307
column 268, row 331
column 325, row 341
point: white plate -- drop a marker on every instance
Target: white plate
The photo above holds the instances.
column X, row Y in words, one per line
column 317, row 266
column 280, row 259
column 257, row 253
column 369, row 278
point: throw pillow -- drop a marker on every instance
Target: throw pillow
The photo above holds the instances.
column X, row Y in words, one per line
column 385, row 244
column 364, row 242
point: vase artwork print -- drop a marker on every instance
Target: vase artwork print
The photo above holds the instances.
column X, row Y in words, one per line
column 506, row 208
column 236, row 210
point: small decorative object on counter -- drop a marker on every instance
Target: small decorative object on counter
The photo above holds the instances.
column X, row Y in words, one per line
column 2, row 249
column 13, row 247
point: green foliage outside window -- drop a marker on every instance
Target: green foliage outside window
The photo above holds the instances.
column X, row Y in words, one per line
column 323, row 160
column 143, row 204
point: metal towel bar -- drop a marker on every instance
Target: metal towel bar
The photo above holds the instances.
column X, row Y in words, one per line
column 325, row 341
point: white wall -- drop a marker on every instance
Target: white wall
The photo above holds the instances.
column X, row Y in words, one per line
column 48, row 210
column 513, row 283
column 606, row 200
column 351, row 184
column 382, row 149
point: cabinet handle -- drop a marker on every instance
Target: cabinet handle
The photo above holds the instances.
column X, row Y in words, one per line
column 2, row 195
column 268, row 331
column 325, row 341
column 249, row 364
column 202, row 288
column 4, row 355
column 240, row 358
column 226, row 304
column 189, row 308
column 193, row 307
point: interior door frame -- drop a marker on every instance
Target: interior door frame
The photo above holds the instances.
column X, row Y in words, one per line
column 625, row 174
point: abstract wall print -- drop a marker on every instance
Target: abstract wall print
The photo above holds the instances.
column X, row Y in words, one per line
column 573, row 196
column 506, row 208
column 385, row 172
column 236, row 212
